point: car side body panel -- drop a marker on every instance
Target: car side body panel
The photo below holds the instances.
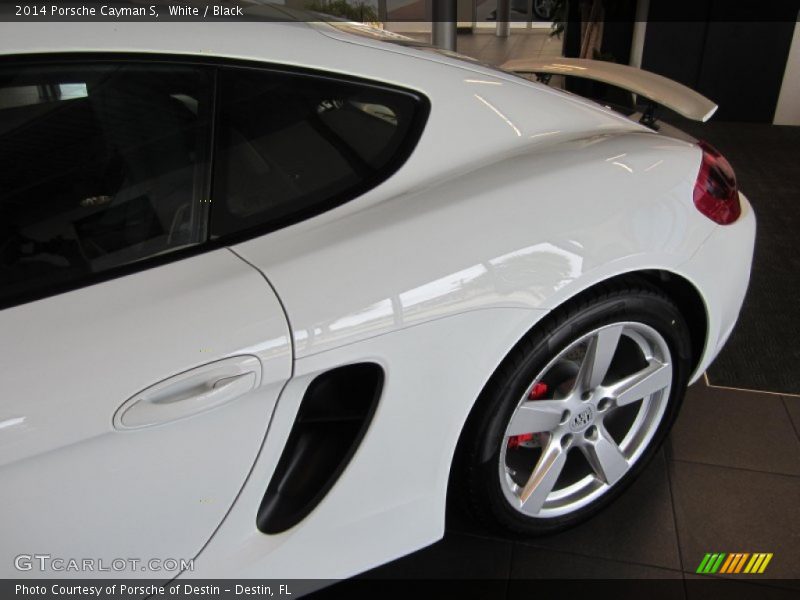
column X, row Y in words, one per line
column 492, row 238
column 516, row 198
column 491, row 245
column 74, row 485
column 390, row 499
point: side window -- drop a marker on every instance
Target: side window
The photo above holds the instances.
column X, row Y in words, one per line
column 292, row 145
column 101, row 165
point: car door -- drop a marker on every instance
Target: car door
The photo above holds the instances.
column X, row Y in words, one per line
column 139, row 361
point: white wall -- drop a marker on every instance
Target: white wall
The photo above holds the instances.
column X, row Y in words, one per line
column 788, row 109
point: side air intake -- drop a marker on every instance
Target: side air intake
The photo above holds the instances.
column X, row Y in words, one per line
column 334, row 415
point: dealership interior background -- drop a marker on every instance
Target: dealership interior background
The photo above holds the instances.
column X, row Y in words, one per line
column 729, row 476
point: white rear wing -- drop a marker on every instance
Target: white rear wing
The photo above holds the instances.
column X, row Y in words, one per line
column 661, row 90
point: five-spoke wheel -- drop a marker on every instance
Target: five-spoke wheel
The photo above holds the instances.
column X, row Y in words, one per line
column 582, row 424
column 577, row 409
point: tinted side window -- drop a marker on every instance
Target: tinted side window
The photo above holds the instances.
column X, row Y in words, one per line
column 100, row 165
column 292, row 145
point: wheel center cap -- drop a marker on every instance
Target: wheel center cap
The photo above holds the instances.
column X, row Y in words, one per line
column 582, row 420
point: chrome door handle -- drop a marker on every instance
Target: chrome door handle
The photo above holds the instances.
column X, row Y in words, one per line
column 192, row 392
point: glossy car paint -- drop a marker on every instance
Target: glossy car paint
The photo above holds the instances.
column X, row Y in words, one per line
column 74, row 486
column 516, row 198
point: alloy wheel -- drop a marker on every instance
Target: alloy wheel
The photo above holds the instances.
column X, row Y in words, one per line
column 585, row 419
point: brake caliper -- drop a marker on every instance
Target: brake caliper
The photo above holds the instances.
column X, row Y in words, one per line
column 538, row 391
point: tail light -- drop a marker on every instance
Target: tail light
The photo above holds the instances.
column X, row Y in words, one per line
column 715, row 192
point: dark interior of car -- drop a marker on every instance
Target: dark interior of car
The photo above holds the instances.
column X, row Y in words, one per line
column 98, row 170
column 287, row 142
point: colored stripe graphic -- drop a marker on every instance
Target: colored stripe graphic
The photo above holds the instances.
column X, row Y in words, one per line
column 711, row 563
column 732, row 560
column 759, row 562
column 734, row 563
column 715, row 567
column 703, row 563
column 749, row 568
column 741, row 562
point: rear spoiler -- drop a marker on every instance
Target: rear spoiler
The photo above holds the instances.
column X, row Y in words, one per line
column 656, row 88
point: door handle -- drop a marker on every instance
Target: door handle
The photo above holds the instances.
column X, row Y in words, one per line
column 189, row 393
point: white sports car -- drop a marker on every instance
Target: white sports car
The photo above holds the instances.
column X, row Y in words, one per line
column 271, row 292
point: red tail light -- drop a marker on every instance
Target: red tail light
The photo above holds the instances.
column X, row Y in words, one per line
column 715, row 192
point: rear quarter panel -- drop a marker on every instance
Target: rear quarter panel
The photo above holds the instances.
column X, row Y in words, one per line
column 437, row 285
column 523, row 230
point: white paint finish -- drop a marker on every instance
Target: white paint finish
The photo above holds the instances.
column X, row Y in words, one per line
column 517, row 198
column 664, row 91
column 434, row 372
column 75, row 487
column 787, row 111
column 525, row 232
column 721, row 270
column 390, row 499
column 190, row 393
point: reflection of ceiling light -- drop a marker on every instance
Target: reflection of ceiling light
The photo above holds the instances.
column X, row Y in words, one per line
column 501, row 115
column 369, row 314
column 654, row 165
column 567, row 67
column 442, row 286
column 481, row 81
column 379, row 111
column 545, row 133
column 12, row 422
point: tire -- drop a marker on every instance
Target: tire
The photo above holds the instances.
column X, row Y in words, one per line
column 635, row 340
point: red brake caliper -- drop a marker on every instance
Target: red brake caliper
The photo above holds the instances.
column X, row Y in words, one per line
column 538, row 391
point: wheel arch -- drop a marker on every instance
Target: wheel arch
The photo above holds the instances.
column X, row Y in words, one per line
column 689, row 301
column 676, row 287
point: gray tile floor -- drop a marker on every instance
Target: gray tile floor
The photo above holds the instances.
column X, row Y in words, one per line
column 727, row 480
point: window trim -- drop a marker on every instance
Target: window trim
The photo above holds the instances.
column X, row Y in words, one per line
column 214, row 64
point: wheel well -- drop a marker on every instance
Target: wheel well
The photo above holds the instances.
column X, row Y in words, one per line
column 685, row 296
column 682, row 292
column 689, row 302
